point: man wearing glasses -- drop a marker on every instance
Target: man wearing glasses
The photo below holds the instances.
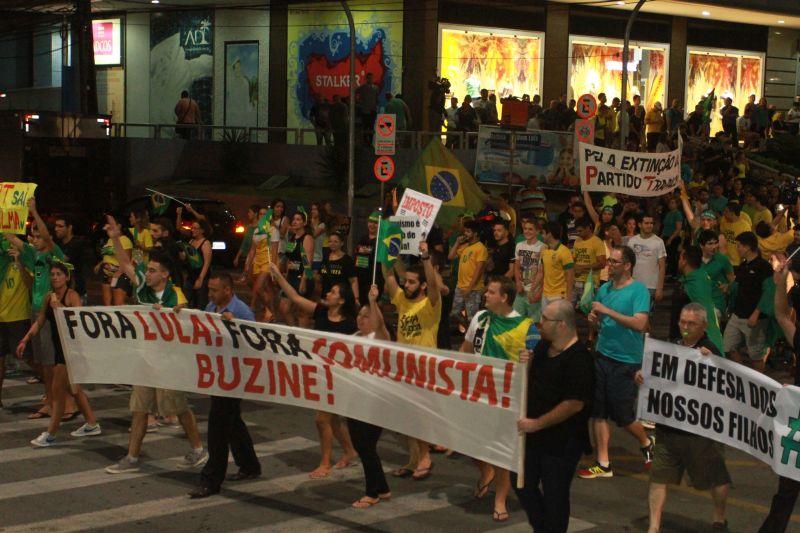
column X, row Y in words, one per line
column 620, row 311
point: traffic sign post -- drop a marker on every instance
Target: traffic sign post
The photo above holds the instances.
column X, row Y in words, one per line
column 584, row 130
column 384, row 169
column 586, row 107
column 385, row 134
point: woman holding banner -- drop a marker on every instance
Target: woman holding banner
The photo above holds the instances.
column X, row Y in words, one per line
column 61, row 295
column 336, row 313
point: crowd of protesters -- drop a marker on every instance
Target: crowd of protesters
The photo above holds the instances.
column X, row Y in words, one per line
column 586, row 277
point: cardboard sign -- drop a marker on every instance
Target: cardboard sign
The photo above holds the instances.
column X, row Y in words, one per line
column 414, row 203
column 14, row 206
column 413, row 234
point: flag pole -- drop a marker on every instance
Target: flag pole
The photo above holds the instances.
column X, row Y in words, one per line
column 523, row 413
column 377, row 236
column 165, row 195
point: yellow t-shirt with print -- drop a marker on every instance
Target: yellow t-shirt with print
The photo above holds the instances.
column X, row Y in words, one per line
column 468, row 260
column 586, row 253
column 110, row 263
column 144, row 241
column 417, row 321
column 555, row 263
column 15, row 296
column 731, row 230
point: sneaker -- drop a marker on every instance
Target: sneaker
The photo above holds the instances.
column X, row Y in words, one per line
column 44, row 440
column 194, row 459
column 647, row 453
column 124, row 466
column 87, row 431
column 596, row 471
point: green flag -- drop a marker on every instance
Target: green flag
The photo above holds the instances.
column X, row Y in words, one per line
column 159, row 203
column 263, row 226
column 708, row 105
column 587, row 297
column 439, row 173
column 390, row 242
column 697, row 286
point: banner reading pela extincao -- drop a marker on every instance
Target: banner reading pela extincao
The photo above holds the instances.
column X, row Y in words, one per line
column 632, row 173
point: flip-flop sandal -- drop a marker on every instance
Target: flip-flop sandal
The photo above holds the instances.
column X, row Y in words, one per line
column 319, row 475
column 365, row 503
column 402, row 472
column 497, row 516
column 425, row 473
column 37, row 415
column 482, row 490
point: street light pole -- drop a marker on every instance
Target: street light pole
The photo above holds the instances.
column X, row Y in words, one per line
column 351, row 135
column 624, row 120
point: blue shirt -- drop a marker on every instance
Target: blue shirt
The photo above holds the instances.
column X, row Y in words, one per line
column 236, row 307
column 615, row 341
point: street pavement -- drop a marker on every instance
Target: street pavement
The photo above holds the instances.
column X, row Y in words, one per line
column 64, row 488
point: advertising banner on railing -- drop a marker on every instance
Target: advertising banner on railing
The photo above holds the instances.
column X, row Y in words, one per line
column 516, row 156
column 715, row 398
column 467, row 403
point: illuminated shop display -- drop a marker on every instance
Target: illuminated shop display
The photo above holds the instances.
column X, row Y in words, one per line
column 596, row 67
column 505, row 62
column 729, row 73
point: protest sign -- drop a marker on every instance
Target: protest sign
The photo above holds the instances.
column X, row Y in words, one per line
column 412, row 234
column 414, row 203
column 14, row 206
column 632, row 173
column 430, row 394
column 724, row 401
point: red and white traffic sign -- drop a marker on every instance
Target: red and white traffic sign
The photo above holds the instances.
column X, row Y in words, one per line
column 586, row 106
column 385, row 134
column 384, row 168
column 584, row 130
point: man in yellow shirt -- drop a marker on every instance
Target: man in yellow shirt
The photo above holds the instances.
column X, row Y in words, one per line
column 472, row 257
column 589, row 254
column 15, row 306
column 733, row 223
column 772, row 241
column 757, row 210
column 555, row 276
column 419, row 309
column 142, row 238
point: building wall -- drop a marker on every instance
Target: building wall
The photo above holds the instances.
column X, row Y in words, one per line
column 782, row 74
column 137, row 71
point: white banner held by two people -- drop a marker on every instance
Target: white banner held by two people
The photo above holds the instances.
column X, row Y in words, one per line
column 467, row 403
column 631, row 173
column 724, row 401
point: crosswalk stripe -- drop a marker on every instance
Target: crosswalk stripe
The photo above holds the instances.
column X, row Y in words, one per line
column 41, row 423
column 97, row 393
column 178, row 504
column 98, row 476
column 9, row 383
column 575, row 525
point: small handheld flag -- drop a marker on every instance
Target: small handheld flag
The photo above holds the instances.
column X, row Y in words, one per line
column 389, row 243
column 159, row 203
column 265, row 223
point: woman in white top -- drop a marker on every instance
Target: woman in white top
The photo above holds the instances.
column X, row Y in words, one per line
column 281, row 223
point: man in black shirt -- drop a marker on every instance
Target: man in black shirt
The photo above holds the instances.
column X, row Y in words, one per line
column 561, row 388
column 75, row 250
column 680, row 451
column 162, row 230
column 780, row 512
column 502, row 253
column 747, row 325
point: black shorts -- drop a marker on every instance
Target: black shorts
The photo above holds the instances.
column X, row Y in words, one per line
column 10, row 335
column 124, row 284
column 615, row 390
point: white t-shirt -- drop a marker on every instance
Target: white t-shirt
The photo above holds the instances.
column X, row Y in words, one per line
column 648, row 252
column 527, row 256
column 477, row 330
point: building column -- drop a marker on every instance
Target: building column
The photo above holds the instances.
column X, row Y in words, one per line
column 420, row 53
column 677, row 65
column 556, row 53
column 278, row 71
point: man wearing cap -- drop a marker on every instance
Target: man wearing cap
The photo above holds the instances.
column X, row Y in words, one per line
column 364, row 254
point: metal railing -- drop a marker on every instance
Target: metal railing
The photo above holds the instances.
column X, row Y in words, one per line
column 416, row 140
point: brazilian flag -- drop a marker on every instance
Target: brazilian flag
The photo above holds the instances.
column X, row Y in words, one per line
column 390, row 242
column 708, row 105
column 505, row 335
column 159, row 203
column 264, row 224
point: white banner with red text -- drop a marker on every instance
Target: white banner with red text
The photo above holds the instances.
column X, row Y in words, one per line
column 631, row 173
column 716, row 398
column 467, row 403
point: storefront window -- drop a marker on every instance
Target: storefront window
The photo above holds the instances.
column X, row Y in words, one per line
column 728, row 74
column 596, row 67
column 505, row 62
